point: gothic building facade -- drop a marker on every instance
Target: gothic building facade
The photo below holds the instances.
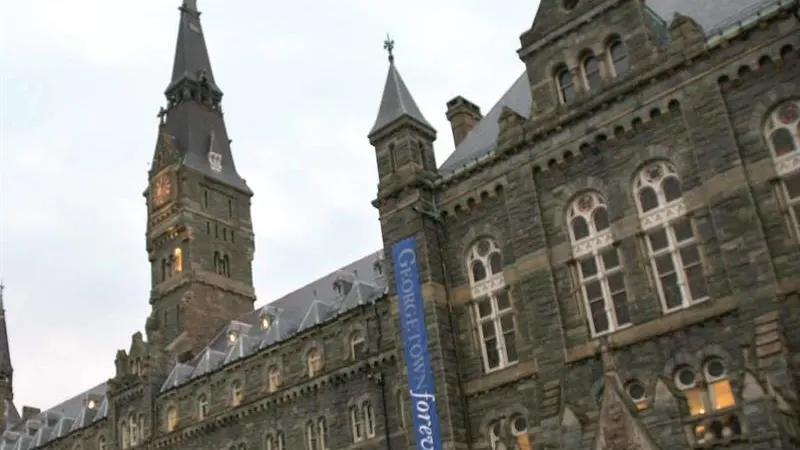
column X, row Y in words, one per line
column 608, row 259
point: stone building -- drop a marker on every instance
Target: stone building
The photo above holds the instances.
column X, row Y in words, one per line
column 607, row 260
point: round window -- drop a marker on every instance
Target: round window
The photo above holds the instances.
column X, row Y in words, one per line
column 569, row 4
column 685, row 378
column 715, row 369
column 636, row 391
column 519, row 426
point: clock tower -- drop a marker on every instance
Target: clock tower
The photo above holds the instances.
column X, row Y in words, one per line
column 199, row 230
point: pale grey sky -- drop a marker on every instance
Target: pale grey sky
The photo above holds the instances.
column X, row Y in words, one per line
column 81, row 82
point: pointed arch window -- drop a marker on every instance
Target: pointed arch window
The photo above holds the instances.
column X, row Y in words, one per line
column 274, row 378
column 566, row 85
column 357, row 345
column 782, row 133
column 314, row 361
column 202, row 407
column 618, row 57
column 670, row 237
column 172, row 418
column 496, row 322
column 599, row 264
column 316, row 434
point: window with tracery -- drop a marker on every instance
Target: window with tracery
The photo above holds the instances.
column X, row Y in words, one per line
column 670, row 238
column 274, row 378
column 618, row 58
column 782, row 132
column 599, row 266
column 202, row 407
column 566, row 85
column 493, row 309
column 591, row 72
column 709, row 400
column 357, row 345
column 314, row 361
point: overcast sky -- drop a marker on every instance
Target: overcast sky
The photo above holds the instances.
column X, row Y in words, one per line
column 81, row 82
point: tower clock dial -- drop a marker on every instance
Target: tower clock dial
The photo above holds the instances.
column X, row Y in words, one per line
column 161, row 189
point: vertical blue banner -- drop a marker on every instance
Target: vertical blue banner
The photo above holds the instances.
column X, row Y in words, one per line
column 421, row 385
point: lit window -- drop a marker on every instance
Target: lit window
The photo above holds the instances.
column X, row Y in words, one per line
column 674, row 254
column 618, row 57
column 566, row 87
column 720, row 393
column 202, row 407
column 232, row 337
column 91, row 404
column 177, row 261
column 274, row 379
column 357, row 345
column 493, row 309
column 172, row 418
column 314, row 360
column 782, row 132
column 237, row 393
column 638, row 394
column 602, row 284
column 265, row 322
column 687, row 381
column 591, row 72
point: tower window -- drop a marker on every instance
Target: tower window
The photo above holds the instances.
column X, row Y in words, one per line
column 230, row 208
column 618, row 57
column 205, row 199
column 591, row 72
column 566, row 88
column 177, row 261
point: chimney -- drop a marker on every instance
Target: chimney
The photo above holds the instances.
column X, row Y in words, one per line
column 463, row 116
column 29, row 412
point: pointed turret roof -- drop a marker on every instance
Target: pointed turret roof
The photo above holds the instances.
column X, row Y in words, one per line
column 397, row 101
column 5, row 354
column 192, row 129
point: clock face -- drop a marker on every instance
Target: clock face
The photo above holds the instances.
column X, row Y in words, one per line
column 161, row 190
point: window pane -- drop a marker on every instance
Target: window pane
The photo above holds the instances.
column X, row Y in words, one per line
column 658, row 240
column 782, row 141
column 588, row 268
column 722, row 395
column 664, row 265
column 683, row 229
column 488, row 330
column 511, row 346
column 672, row 292
column 484, row 307
column 593, row 291
column 478, row 271
column 697, row 282
column 580, row 229
column 793, row 185
column 689, row 255
column 492, row 355
column 502, row 300
column 507, row 323
column 496, row 262
column 648, row 199
column 601, row 221
column 611, row 259
column 616, row 283
column 697, row 406
column 621, row 307
column 597, row 310
column 672, row 188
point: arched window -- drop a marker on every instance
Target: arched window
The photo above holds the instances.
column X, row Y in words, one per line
column 519, row 429
column 101, row 443
column 237, row 393
column 202, row 406
column 134, row 430
column 369, row 419
column 674, row 254
column 637, row 393
column 591, row 72
column 123, row 434
column 280, row 441
column 782, row 132
column 493, row 308
column 322, row 433
column 618, row 57
column 311, row 436
column 274, row 378
column 707, row 392
column 357, row 423
column 177, row 261
column 141, row 428
column 494, row 433
column 401, row 408
column 314, row 361
column 357, row 345
column 566, row 86
column 172, row 418
column 274, row 442
column 599, row 266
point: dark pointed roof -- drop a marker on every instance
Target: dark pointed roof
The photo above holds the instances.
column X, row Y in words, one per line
column 397, row 102
column 5, row 353
column 192, row 126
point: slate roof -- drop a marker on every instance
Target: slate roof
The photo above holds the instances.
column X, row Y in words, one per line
column 713, row 16
column 357, row 283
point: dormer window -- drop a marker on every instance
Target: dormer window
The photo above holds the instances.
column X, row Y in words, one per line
column 91, row 404
column 338, row 287
column 265, row 322
column 377, row 267
column 232, row 337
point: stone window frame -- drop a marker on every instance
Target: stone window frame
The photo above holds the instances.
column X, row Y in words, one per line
column 586, row 57
column 611, row 42
column 361, row 417
column 669, row 236
column 357, row 336
column 493, row 305
column 593, row 249
column 171, row 417
column 102, row 443
column 637, row 392
column 314, row 353
column 236, row 391
column 203, row 405
column 133, row 427
column 275, row 440
column 786, row 163
column 274, row 370
column 316, row 432
column 566, row 88
column 400, row 398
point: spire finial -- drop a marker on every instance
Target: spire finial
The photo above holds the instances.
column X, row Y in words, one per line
column 190, row 5
column 2, row 288
column 388, row 45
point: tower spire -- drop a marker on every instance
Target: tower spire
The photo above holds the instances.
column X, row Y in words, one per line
column 5, row 355
column 397, row 102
